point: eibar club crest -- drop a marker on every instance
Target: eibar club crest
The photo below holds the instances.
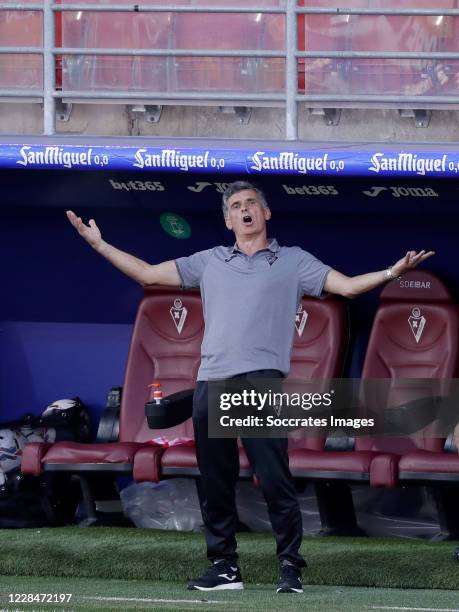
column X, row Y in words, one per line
column 300, row 319
column 417, row 322
column 178, row 314
column 271, row 258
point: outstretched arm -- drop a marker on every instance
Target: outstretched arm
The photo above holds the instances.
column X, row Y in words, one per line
column 351, row 286
column 144, row 273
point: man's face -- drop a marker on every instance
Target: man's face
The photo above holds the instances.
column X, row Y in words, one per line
column 246, row 214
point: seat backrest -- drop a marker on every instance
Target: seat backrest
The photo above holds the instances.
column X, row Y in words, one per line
column 414, row 336
column 319, row 349
column 165, row 346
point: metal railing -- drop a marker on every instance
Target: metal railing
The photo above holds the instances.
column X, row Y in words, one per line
column 290, row 97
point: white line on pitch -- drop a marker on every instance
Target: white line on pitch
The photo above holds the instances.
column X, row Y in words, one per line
column 145, row 600
column 415, row 609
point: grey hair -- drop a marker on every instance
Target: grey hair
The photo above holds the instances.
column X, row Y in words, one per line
column 240, row 186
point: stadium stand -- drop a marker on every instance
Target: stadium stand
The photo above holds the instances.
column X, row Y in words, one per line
column 400, row 347
column 16, row 29
column 115, row 30
column 446, row 73
column 396, row 33
column 324, row 33
column 421, row 84
column 174, row 31
column 228, row 32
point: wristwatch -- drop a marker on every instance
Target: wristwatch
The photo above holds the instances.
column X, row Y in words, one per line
column 390, row 275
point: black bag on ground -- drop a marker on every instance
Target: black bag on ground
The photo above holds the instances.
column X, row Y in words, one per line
column 50, row 499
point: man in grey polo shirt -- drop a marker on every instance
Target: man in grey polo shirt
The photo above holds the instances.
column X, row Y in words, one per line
column 237, row 284
column 255, row 298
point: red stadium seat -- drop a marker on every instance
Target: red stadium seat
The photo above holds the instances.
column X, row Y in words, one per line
column 429, row 467
column 397, row 351
column 318, row 353
column 423, row 458
column 414, row 336
column 165, row 346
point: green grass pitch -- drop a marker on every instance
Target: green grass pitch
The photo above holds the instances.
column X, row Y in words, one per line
column 136, row 569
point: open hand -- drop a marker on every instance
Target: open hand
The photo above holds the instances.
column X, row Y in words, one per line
column 90, row 233
column 410, row 261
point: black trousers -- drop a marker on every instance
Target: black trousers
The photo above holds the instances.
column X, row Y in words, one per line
column 218, row 461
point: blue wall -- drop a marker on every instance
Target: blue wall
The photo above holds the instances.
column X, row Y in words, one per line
column 43, row 362
column 66, row 314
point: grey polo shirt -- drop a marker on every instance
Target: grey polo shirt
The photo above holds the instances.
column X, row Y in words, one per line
column 249, row 305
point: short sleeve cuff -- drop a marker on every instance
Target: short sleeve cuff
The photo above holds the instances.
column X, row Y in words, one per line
column 320, row 287
column 180, row 273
